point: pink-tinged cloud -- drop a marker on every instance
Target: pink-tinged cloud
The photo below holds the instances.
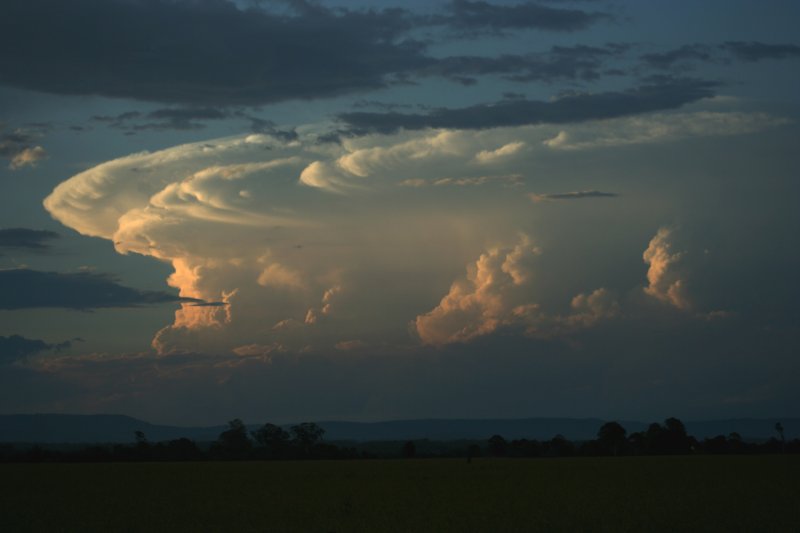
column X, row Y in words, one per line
column 666, row 273
column 493, row 294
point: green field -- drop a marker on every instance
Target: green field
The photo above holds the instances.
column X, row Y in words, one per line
column 606, row 494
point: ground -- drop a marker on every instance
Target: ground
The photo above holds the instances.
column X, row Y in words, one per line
column 729, row 493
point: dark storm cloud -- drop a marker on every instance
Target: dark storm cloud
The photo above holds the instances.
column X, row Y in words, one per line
column 755, row 51
column 576, row 195
column 687, row 56
column 211, row 52
column 689, row 52
column 469, row 15
column 17, row 347
column 26, row 289
column 560, row 63
column 163, row 119
column 26, row 239
column 669, row 94
column 200, row 52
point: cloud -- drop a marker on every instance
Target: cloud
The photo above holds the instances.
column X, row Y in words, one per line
column 350, row 346
column 500, row 292
column 661, row 127
column 510, row 180
column 28, row 157
column 244, row 225
column 15, row 347
column 257, row 350
column 493, row 294
column 679, row 56
column 574, row 63
column 589, row 309
column 666, row 273
column 26, row 239
column 569, row 108
column 576, row 195
column 754, row 51
column 277, row 275
column 189, row 118
column 218, row 53
column 490, row 156
column 19, row 147
column 478, row 15
column 24, row 289
column 686, row 57
column 201, row 52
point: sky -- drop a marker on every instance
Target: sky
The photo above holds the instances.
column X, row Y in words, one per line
column 287, row 210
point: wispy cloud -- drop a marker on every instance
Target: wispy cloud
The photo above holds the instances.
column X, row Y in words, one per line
column 575, row 195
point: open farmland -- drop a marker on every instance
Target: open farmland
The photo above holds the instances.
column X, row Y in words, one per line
column 605, row 494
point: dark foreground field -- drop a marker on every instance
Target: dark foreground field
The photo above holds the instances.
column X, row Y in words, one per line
column 606, row 494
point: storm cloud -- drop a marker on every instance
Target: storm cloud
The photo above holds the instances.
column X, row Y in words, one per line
column 568, row 108
column 213, row 52
column 479, row 15
column 15, row 347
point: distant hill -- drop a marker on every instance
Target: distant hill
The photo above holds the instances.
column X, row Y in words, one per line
column 58, row 428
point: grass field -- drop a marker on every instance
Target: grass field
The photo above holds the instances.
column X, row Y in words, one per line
column 606, row 494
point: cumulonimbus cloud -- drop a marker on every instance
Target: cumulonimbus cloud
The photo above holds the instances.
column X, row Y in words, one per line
column 296, row 241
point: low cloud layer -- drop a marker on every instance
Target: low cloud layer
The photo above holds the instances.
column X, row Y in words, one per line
column 16, row 347
column 569, row 108
column 574, row 195
column 26, row 239
column 22, row 288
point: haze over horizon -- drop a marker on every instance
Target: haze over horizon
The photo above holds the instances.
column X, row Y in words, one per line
column 287, row 210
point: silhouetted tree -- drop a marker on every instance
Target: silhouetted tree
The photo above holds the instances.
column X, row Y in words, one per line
column 779, row 429
column 676, row 440
column 409, row 449
column 234, row 440
column 497, row 446
column 306, row 435
column 182, row 449
column 273, row 438
column 142, row 449
column 525, row 448
column 612, row 437
column 559, row 446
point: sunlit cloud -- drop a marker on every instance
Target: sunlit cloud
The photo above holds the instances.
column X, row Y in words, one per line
column 666, row 275
column 300, row 243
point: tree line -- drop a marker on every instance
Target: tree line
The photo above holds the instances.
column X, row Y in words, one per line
column 305, row 441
